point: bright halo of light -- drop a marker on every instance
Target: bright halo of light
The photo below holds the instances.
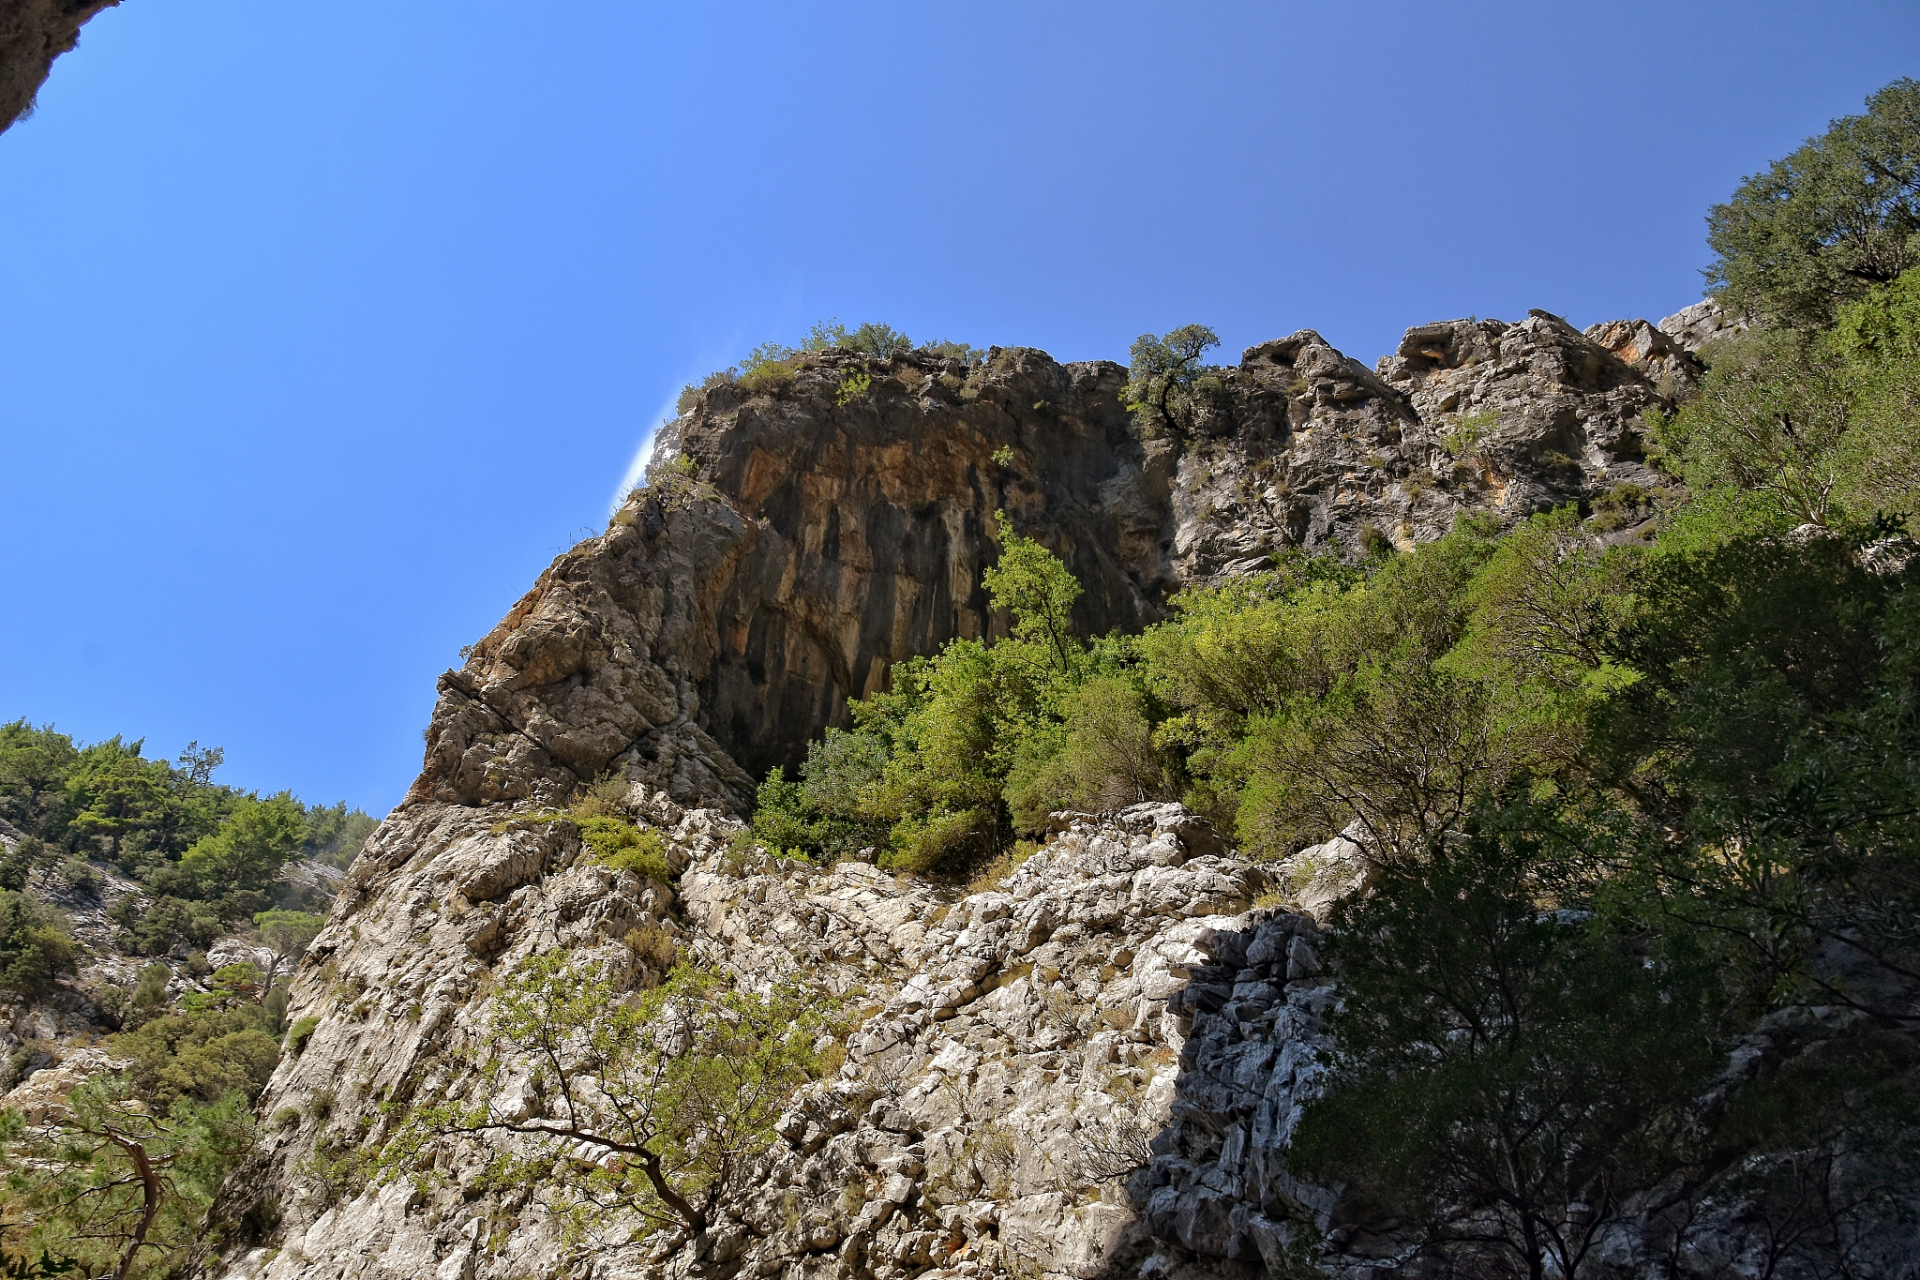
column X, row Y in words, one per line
column 643, row 455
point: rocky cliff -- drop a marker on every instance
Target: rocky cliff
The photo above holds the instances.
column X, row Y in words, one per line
column 798, row 541
column 1092, row 1067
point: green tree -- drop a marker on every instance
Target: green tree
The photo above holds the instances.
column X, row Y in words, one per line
column 1104, row 755
column 168, row 922
column 829, row 815
column 336, row 833
column 116, row 1185
column 878, row 340
column 1505, row 1075
column 33, row 765
column 1827, row 223
column 288, row 933
column 1165, row 375
column 1034, row 588
column 34, row 951
column 1770, row 420
column 249, row 849
column 687, row 1080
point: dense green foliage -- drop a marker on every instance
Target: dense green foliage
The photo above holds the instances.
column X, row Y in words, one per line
column 1794, row 428
column 1828, row 223
column 941, row 772
column 120, row 1188
column 209, row 855
column 688, row 1079
column 1165, row 376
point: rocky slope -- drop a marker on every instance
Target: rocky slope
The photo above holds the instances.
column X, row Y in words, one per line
column 1019, row 1050
column 1092, row 1067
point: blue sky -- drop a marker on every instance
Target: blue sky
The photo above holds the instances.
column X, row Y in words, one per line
column 324, row 326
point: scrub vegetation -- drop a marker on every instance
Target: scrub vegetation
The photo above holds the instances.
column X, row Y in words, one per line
column 1625, row 804
column 168, row 861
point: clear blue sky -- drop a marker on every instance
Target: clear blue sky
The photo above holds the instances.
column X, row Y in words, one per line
column 323, row 326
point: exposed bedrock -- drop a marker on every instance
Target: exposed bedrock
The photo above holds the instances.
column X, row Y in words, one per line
column 796, row 542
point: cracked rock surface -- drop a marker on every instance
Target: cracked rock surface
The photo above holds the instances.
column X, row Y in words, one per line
column 1091, row 1067
column 797, row 541
column 1014, row 1055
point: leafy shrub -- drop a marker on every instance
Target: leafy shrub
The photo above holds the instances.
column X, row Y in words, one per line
column 301, row 1031
column 956, row 351
column 168, row 923
column 204, row 1055
column 852, row 387
column 653, row 947
column 878, row 340
column 1468, row 433
column 824, row 335
column 618, row 844
column 79, row 875
column 1374, row 543
column 690, row 394
column 19, row 862
column 766, row 368
column 34, row 951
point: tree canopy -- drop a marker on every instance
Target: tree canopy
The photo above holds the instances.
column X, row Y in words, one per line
column 1823, row 226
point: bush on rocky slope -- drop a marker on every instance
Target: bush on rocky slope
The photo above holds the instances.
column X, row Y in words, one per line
column 655, row 1105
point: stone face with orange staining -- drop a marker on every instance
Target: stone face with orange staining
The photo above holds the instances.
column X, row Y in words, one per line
column 796, row 543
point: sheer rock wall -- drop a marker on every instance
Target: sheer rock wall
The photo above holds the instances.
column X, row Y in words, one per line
column 1120, row 987
column 796, row 543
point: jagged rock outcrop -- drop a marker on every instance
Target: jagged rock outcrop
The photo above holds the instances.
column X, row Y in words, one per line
column 797, row 541
column 1695, row 326
column 32, row 34
column 1017, row 1051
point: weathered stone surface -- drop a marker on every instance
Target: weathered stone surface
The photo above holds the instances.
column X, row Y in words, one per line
column 42, row 1097
column 796, row 543
column 32, row 34
column 1695, row 326
column 1016, row 1049
column 1092, row 1067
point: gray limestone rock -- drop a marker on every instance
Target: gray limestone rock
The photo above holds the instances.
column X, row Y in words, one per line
column 1094, row 1066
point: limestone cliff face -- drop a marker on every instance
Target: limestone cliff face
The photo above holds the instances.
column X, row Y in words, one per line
column 1092, row 1067
column 797, row 542
column 32, row 34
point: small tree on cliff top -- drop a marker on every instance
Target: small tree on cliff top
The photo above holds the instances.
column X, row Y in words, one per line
column 651, row 1103
column 1164, row 373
